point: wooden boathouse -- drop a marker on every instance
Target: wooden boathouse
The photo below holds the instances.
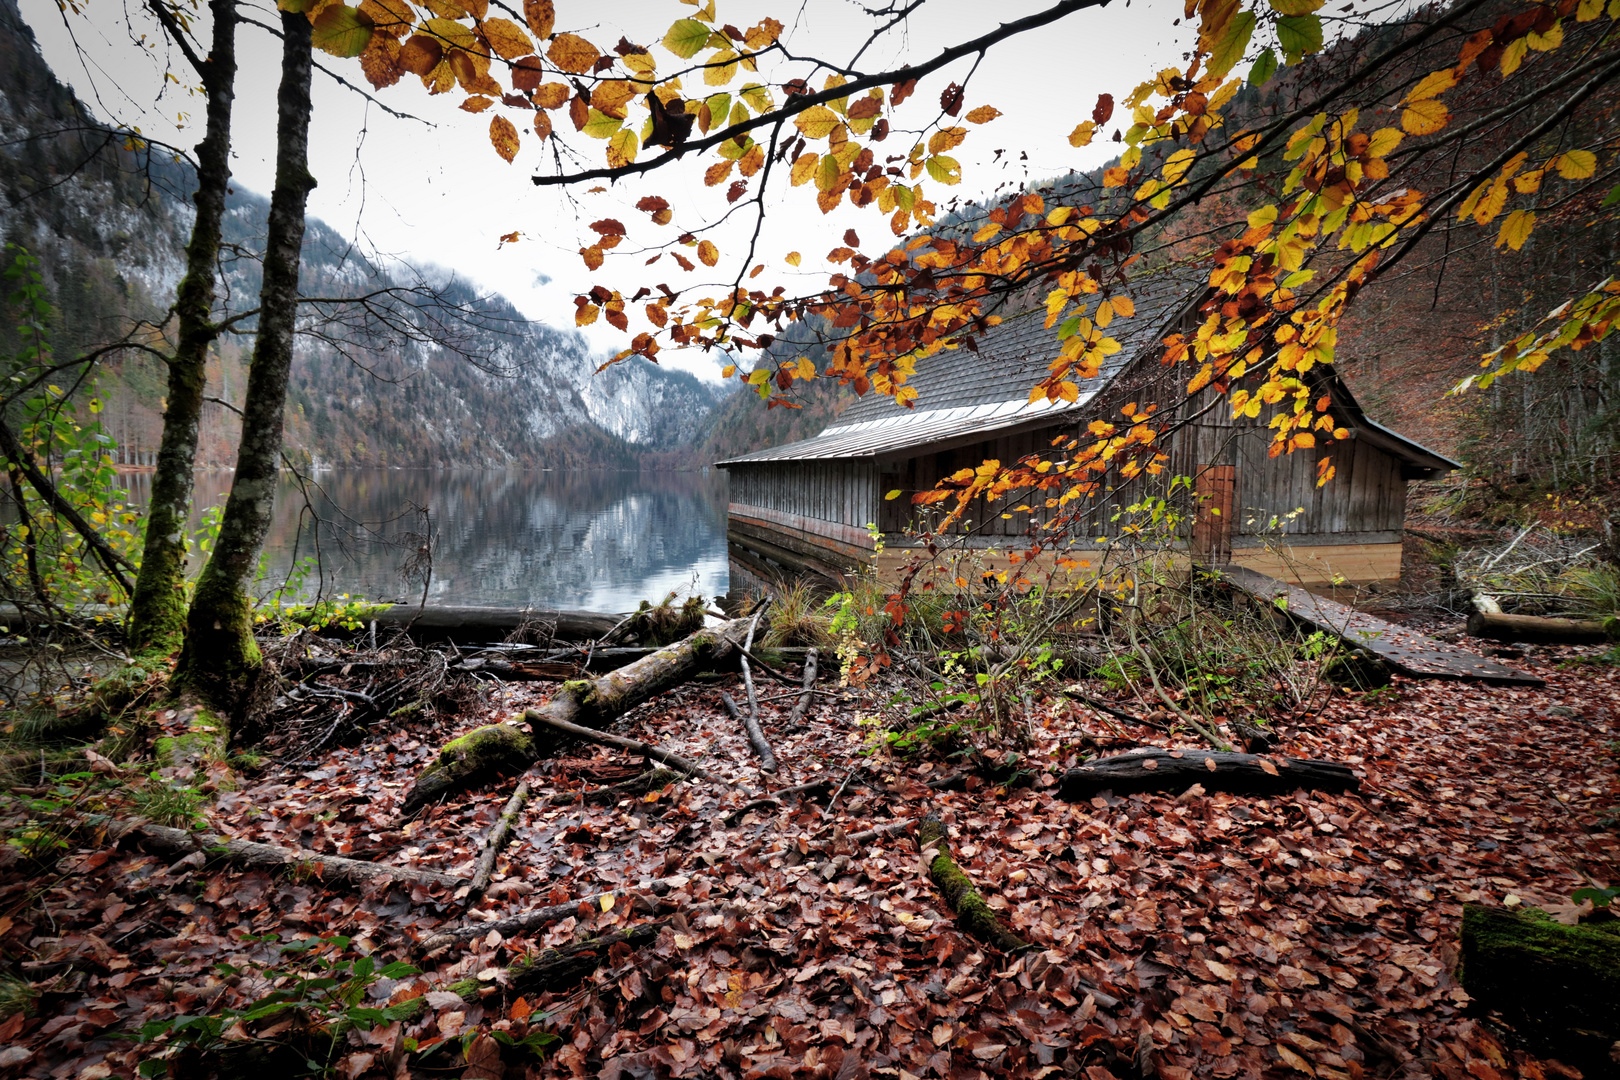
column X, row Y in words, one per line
column 804, row 508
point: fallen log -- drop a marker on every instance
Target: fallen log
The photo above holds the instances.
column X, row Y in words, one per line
column 500, row 748
column 1216, row 770
column 1559, row 986
column 211, row 846
column 973, row 915
column 802, row 706
column 497, row 838
column 756, row 735
column 1536, row 630
column 563, row 968
column 635, row 746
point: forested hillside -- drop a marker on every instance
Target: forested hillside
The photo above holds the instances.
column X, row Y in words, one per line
column 432, row 374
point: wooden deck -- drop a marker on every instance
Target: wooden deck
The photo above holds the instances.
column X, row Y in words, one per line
column 1407, row 652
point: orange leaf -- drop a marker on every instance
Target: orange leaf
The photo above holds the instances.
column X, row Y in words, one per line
column 542, row 125
column 983, row 114
column 506, row 39
column 592, row 256
column 504, row 137
column 541, row 16
column 572, row 53
column 477, row 105
column 708, row 253
column 552, row 95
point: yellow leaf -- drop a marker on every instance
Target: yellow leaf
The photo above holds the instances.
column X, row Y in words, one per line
column 724, row 69
column 1124, row 306
column 1516, row 229
column 708, row 253
column 1513, row 55
column 586, row 315
column 793, row 258
column 983, row 114
column 1263, row 217
column 1424, row 117
column 728, row 371
column 1177, row 164
column 599, row 125
column 607, row 902
column 342, row 31
column 816, row 122
column 1492, row 203
column 1432, row 84
column 1114, row 177
column 622, row 148
column 572, row 53
column 504, row 137
column 891, row 496
column 507, row 39
column 1576, row 164
column 986, row 233
column 1384, row 140
column 686, row 37
column 1549, row 41
column 1081, row 135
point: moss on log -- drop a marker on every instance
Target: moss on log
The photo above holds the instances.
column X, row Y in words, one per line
column 973, row 915
column 480, row 755
column 589, row 703
column 1559, row 986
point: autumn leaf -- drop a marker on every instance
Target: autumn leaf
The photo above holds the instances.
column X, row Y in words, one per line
column 945, row 170
column 817, row 122
column 622, row 148
column 708, row 253
column 1576, row 164
column 1103, row 110
column 1235, row 42
column 504, row 137
column 793, row 258
column 1432, row 84
column 1424, row 117
column 342, row 31
column 1516, row 229
column 572, row 53
column 1296, row 7
column 1081, row 135
column 380, row 63
column 1115, row 177
column 477, row 104
column 1300, row 34
column 686, row 37
column 541, row 15
column 506, row 39
column 983, row 114
column 599, row 125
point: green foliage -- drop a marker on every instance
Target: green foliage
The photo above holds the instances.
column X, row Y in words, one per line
column 175, row 805
column 58, row 422
column 319, row 984
column 16, row 996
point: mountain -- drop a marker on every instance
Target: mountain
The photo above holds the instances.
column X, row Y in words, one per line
column 431, row 373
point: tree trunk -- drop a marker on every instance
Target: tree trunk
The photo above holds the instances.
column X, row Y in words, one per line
column 1175, row 770
column 1535, row 629
column 221, row 659
column 158, row 607
column 1559, row 986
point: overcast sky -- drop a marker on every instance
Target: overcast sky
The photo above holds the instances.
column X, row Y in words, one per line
column 435, row 192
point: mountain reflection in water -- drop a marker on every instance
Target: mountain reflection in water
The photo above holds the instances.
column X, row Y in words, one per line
column 602, row 541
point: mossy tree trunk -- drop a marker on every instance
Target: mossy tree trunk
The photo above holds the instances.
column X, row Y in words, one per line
column 221, row 660
column 158, row 606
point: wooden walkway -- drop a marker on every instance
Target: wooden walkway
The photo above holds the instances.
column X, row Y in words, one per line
column 1407, row 652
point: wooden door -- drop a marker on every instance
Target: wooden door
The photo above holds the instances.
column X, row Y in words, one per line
column 1212, row 528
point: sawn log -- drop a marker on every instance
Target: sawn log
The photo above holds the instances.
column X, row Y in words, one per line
column 1535, row 630
column 1175, row 770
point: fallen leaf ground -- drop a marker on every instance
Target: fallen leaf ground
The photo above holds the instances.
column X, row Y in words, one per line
column 1306, row 935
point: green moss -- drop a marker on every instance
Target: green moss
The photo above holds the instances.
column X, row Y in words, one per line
column 478, row 755
column 1559, row 986
column 975, row 916
column 202, row 740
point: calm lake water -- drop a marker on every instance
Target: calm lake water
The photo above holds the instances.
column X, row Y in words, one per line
column 602, row 541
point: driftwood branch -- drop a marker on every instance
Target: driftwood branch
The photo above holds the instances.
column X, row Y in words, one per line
column 497, row 839
column 1535, row 629
column 635, row 746
column 802, row 706
column 1216, row 770
column 756, row 735
column 330, row 869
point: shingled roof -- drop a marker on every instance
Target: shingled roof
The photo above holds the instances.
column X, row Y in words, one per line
column 961, row 392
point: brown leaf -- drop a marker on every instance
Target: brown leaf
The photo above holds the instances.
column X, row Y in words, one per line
column 541, row 16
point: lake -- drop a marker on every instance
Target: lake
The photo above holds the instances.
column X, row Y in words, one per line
column 598, row 540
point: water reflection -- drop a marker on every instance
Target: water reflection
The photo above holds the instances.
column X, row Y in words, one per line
column 597, row 540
